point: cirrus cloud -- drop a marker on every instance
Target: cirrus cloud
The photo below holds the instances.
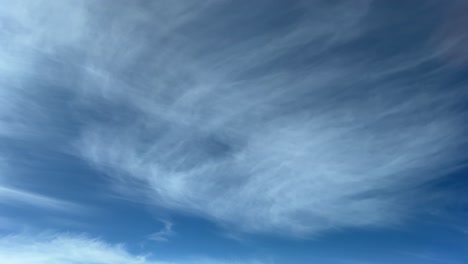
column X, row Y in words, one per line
column 294, row 121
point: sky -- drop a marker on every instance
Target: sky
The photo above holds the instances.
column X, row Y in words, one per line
column 233, row 132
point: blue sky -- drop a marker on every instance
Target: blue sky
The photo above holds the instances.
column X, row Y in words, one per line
column 258, row 132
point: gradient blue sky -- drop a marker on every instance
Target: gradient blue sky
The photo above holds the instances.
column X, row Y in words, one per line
column 223, row 132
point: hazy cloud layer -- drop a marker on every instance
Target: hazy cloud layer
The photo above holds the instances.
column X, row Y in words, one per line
column 59, row 248
column 293, row 117
column 70, row 249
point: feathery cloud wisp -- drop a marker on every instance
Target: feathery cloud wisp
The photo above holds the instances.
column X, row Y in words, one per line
column 163, row 234
column 9, row 195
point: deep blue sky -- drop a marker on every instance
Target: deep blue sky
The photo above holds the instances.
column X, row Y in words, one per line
column 329, row 132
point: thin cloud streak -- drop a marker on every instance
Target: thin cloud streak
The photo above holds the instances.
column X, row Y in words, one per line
column 13, row 196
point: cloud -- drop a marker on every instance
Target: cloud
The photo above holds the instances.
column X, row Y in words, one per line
column 267, row 117
column 7, row 224
column 450, row 38
column 22, row 112
column 59, row 248
column 13, row 196
column 9, row 195
column 163, row 234
column 70, row 249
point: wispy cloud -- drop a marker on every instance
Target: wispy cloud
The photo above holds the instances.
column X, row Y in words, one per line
column 163, row 234
column 14, row 196
column 39, row 249
column 218, row 111
column 56, row 248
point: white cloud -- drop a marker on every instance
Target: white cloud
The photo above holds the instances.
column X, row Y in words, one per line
column 15, row 196
column 265, row 129
column 49, row 248
column 66, row 249
column 163, row 234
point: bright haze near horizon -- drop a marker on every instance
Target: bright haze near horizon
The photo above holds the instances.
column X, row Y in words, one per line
column 231, row 132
